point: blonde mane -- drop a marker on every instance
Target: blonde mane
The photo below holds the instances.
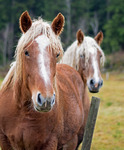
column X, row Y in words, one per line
column 38, row 27
column 72, row 54
column 8, row 80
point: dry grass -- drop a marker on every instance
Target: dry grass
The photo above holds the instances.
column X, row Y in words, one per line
column 109, row 129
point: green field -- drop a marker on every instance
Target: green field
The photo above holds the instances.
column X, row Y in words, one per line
column 1, row 79
column 109, row 129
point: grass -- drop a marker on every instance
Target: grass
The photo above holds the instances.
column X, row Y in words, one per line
column 109, row 129
column 1, row 79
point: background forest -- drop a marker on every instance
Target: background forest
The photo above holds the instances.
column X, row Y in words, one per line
column 89, row 15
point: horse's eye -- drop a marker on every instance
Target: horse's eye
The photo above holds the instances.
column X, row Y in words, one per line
column 57, row 55
column 82, row 56
column 26, row 53
column 100, row 56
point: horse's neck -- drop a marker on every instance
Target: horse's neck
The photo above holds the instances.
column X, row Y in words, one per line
column 86, row 91
column 7, row 101
column 86, row 103
column 82, row 76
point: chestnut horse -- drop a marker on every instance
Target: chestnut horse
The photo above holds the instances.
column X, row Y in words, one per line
column 85, row 55
column 40, row 101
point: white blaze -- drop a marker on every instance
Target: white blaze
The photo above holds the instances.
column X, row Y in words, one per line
column 43, row 59
column 95, row 67
column 93, row 52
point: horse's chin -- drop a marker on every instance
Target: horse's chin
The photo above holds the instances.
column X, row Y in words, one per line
column 42, row 109
column 93, row 90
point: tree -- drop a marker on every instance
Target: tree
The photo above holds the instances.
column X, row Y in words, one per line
column 88, row 15
column 114, row 29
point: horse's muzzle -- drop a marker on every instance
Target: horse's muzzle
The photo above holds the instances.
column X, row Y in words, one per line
column 94, row 87
column 44, row 104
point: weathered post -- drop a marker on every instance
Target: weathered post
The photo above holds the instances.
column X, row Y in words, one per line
column 88, row 133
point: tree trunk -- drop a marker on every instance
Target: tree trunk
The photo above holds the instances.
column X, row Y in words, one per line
column 68, row 4
column 95, row 24
column 5, row 35
column 107, row 5
column 10, row 41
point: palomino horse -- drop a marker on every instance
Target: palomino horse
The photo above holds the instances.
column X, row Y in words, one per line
column 40, row 101
column 85, row 55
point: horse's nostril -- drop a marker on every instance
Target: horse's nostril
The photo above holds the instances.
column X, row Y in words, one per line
column 101, row 82
column 92, row 82
column 53, row 101
column 39, row 99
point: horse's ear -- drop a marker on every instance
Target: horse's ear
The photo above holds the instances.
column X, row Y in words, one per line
column 25, row 22
column 58, row 23
column 80, row 36
column 99, row 37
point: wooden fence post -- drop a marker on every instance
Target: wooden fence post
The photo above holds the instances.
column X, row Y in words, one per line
column 88, row 133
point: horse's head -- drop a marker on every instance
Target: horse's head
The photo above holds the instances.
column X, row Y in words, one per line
column 40, row 51
column 90, row 56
